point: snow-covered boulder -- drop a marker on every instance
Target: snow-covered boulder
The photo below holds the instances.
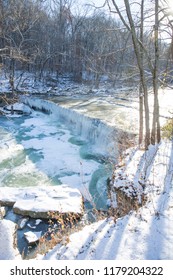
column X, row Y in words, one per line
column 22, row 222
column 8, row 250
column 3, row 211
column 41, row 202
column 18, row 108
column 32, row 237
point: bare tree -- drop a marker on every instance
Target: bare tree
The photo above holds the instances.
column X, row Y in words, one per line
column 130, row 25
column 156, row 123
column 141, row 98
column 19, row 20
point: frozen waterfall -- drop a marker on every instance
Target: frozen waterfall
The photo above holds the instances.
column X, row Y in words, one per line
column 101, row 137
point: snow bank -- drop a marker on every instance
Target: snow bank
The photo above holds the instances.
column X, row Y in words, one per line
column 40, row 202
column 19, row 107
column 23, row 81
column 130, row 175
column 7, row 241
column 146, row 234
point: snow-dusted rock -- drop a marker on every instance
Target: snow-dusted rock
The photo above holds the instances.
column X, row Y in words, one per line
column 18, row 108
column 8, row 250
column 22, row 222
column 3, row 211
column 41, row 202
column 37, row 222
column 32, row 237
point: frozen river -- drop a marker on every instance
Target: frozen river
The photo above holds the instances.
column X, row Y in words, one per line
column 39, row 150
column 72, row 144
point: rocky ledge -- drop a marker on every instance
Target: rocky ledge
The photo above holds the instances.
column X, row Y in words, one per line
column 43, row 202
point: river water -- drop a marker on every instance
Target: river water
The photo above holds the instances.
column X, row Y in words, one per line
column 59, row 146
column 40, row 150
column 69, row 145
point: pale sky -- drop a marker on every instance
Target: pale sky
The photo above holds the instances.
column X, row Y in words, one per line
column 95, row 2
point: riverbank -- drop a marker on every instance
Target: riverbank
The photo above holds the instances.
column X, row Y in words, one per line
column 144, row 234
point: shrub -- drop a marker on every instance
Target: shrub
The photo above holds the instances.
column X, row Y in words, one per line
column 167, row 129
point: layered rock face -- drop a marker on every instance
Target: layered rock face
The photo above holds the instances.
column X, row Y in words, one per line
column 42, row 202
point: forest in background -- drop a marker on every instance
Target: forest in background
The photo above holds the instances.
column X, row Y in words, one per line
column 129, row 43
column 88, row 43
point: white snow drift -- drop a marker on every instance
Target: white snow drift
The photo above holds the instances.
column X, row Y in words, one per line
column 7, row 240
column 143, row 235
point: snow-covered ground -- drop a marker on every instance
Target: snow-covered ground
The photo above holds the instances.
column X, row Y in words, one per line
column 146, row 234
column 27, row 82
column 7, row 240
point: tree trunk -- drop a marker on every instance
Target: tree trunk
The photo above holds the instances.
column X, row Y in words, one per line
column 142, row 74
column 141, row 99
column 141, row 115
column 155, row 135
column 11, row 78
